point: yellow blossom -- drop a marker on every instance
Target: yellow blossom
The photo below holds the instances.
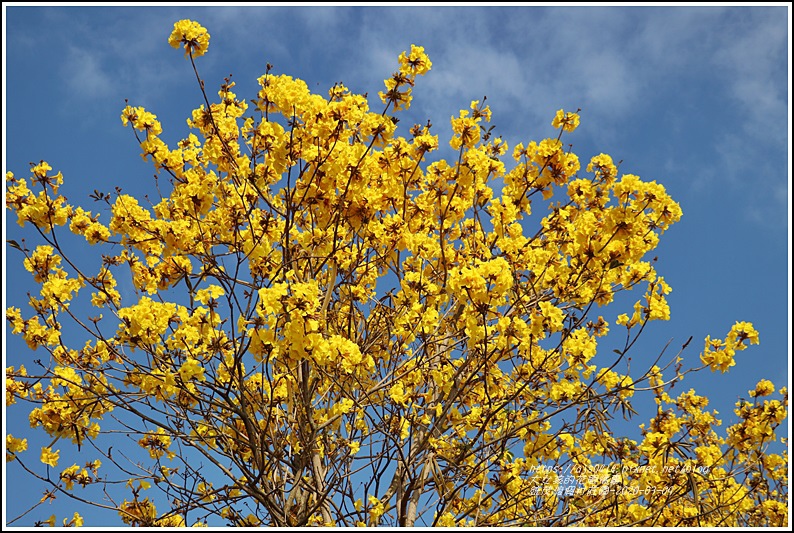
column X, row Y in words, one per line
column 48, row 457
column 764, row 388
column 568, row 121
column 192, row 35
column 14, row 445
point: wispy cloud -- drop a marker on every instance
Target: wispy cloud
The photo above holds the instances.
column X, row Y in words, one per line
column 753, row 53
column 85, row 75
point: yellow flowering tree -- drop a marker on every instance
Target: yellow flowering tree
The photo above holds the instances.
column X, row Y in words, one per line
column 329, row 327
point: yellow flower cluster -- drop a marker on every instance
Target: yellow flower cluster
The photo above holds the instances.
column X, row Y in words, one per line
column 74, row 474
column 138, row 512
column 157, row 444
column 483, row 282
column 192, row 35
column 14, row 446
column 568, row 121
column 399, row 86
column 719, row 354
column 48, row 457
column 44, row 210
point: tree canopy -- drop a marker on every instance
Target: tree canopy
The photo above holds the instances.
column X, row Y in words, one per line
column 330, row 325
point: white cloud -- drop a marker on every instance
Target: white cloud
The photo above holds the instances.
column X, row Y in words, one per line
column 476, row 71
column 753, row 55
column 84, row 74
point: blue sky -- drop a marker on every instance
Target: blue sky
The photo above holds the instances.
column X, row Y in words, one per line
column 696, row 98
